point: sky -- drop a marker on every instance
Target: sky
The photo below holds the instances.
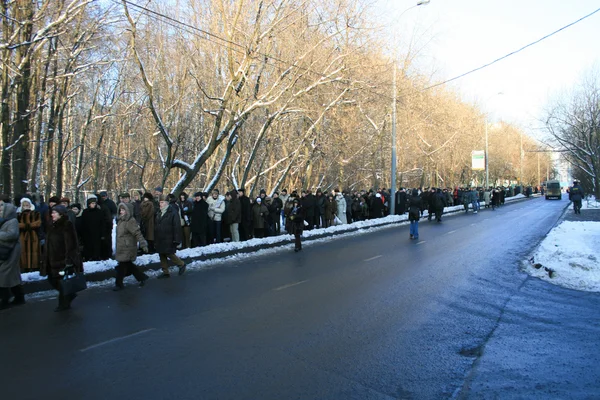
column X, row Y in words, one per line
column 461, row 35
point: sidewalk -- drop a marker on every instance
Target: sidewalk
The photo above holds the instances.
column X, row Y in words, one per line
column 103, row 270
column 545, row 345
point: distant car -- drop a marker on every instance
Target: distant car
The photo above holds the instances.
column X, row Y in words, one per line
column 553, row 190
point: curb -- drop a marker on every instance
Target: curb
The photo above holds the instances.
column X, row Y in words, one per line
column 43, row 285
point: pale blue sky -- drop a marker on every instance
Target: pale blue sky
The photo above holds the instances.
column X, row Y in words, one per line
column 464, row 34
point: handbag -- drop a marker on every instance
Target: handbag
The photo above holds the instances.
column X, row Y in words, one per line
column 73, row 282
column 337, row 221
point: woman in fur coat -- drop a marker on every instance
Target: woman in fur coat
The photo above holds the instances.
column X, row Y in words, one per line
column 30, row 223
column 62, row 251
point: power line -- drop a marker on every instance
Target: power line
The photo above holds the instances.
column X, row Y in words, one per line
column 512, row 53
column 244, row 50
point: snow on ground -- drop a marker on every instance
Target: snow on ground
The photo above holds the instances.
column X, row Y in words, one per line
column 214, row 249
column 590, row 202
column 571, row 251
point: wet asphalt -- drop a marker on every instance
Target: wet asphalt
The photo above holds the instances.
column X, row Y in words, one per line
column 374, row 316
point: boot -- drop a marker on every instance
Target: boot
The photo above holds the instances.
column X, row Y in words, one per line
column 19, row 299
column 4, row 298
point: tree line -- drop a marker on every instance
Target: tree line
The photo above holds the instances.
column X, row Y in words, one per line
column 198, row 94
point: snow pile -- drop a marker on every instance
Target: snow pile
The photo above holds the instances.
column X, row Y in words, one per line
column 590, row 203
column 571, row 251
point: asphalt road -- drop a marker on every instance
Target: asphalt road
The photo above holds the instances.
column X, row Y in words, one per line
column 375, row 316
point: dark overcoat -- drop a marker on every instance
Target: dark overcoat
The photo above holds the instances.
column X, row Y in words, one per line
column 167, row 231
column 62, row 248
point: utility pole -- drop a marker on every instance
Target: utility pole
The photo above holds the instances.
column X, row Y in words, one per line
column 392, row 200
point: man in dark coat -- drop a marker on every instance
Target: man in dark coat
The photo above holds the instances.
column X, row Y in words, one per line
column 401, row 201
column 167, row 236
column 199, row 221
column 576, row 196
column 109, row 203
column 245, row 227
column 376, row 210
column 107, row 228
column 309, row 203
column 439, row 202
column 233, row 215
column 275, row 211
column 320, row 210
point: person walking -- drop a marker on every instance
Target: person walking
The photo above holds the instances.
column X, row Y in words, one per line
column 576, row 196
column 10, row 256
column 62, row 252
column 30, row 224
column 415, row 204
column 167, row 236
column 128, row 237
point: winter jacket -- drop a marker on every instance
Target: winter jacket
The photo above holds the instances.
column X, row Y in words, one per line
column 234, row 211
column 10, row 273
column 92, row 221
column 376, row 208
column 200, row 217
column 331, row 209
column 259, row 213
column 309, row 204
column 62, row 248
column 167, row 231
column 148, row 217
column 216, row 207
column 30, row 224
column 576, row 193
column 415, row 204
column 341, row 208
column 128, row 235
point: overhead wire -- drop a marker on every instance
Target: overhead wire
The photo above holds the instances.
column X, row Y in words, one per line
column 173, row 22
column 513, row 52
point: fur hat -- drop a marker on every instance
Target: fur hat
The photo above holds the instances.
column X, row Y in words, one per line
column 91, row 200
column 198, row 194
column 148, row 196
column 54, row 199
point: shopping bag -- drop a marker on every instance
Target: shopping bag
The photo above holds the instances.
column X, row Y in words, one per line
column 337, row 221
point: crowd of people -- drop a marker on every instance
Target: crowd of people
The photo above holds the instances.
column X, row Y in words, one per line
column 57, row 237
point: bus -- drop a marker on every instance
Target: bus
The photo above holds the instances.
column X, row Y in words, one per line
column 553, row 190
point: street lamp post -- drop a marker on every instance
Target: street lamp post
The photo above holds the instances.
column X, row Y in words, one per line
column 487, row 165
column 392, row 200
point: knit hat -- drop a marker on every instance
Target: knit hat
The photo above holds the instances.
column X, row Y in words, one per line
column 198, row 194
column 91, row 200
column 103, row 194
column 61, row 210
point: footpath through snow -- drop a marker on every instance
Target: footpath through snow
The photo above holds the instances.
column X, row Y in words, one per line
column 568, row 256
